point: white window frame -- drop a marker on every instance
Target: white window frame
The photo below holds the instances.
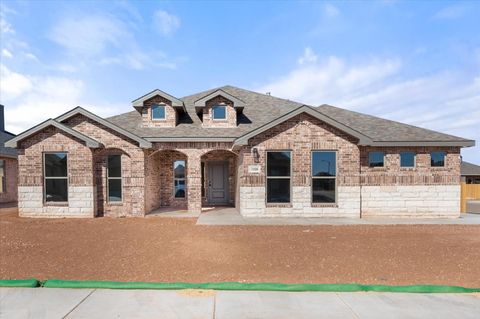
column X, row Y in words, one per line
column 184, row 179
column 217, row 106
column 121, row 181
column 324, row 177
column 278, row 177
column 160, row 118
column 45, row 180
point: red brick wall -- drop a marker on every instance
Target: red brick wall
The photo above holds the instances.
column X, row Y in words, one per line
column 421, row 174
column 170, row 115
column 302, row 134
column 51, row 139
column 133, row 167
column 231, row 118
column 11, row 169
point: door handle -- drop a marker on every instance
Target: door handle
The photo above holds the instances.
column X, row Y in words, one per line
column 209, row 184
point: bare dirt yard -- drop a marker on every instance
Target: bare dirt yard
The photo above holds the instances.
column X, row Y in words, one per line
column 170, row 250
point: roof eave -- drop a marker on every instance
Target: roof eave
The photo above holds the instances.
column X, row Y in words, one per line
column 177, row 103
column 237, row 103
column 460, row 143
column 362, row 139
column 89, row 142
column 79, row 110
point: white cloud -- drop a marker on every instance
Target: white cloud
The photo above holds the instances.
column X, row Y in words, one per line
column 7, row 53
column 165, row 23
column 90, row 35
column 105, row 39
column 5, row 26
column 446, row 101
column 12, row 84
column 308, row 56
column 451, row 13
column 331, row 10
column 40, row 97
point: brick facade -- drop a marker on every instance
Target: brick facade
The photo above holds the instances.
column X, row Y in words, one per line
column 9, row 194
column 171, row 115
column 147, row 174
column 231, row 116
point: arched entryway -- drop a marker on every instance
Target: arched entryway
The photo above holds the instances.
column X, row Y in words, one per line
column 166, row 180
column 219, row 178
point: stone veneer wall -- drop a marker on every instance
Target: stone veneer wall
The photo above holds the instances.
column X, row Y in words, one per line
column 80, row 176
column 420, row 191
column 301, row 135
column 11, row 169
column 171, row 116
column 207, row 117
column 427, row 201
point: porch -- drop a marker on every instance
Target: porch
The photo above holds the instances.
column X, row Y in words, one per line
column 181, row 182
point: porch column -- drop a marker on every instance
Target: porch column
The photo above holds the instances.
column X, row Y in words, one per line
column 194, row 183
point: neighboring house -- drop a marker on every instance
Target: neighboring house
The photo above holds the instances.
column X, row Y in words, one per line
column 8, row 165
column 228, row 146
column 470, row 173
column 470, row 192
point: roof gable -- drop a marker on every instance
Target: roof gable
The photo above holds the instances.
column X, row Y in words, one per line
column 202, row 102
column 79, row 110
column 90, row 142
column 138, row 103
column 362, row 139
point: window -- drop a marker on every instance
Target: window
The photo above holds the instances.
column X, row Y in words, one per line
column 278, row 177
column 219, row 112
column 158, row 112
column 407, row 159
column 324, row 172
column 202, row 168
column 56, row 178
column 179, row 178
column 437, row 159
column 375, row 159
column 3, row 183
column 114, row 177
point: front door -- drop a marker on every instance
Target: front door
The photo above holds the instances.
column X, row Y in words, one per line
column 217, row 182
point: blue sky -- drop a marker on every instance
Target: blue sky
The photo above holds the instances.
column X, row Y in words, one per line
column 415, row 62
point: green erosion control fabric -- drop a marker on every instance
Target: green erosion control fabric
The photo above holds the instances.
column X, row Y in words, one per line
column 19, row 283
column 256, row 286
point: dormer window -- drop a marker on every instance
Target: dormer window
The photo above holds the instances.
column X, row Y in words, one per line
column 219, row 112
column 158, row 112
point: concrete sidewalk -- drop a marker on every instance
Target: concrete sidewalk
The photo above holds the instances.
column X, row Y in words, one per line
column 230, row 216
column 101, row 303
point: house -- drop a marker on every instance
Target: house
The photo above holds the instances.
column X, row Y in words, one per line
column 470, row 173
column 470, row 190
column 8, row 165
column 264, row 155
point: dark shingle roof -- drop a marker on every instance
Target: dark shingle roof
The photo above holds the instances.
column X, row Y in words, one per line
column 6, row 151
column 382, row 130
column 260, row 109
column 468, row 169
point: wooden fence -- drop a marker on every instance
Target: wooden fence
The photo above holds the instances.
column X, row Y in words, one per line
column 469, row 191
